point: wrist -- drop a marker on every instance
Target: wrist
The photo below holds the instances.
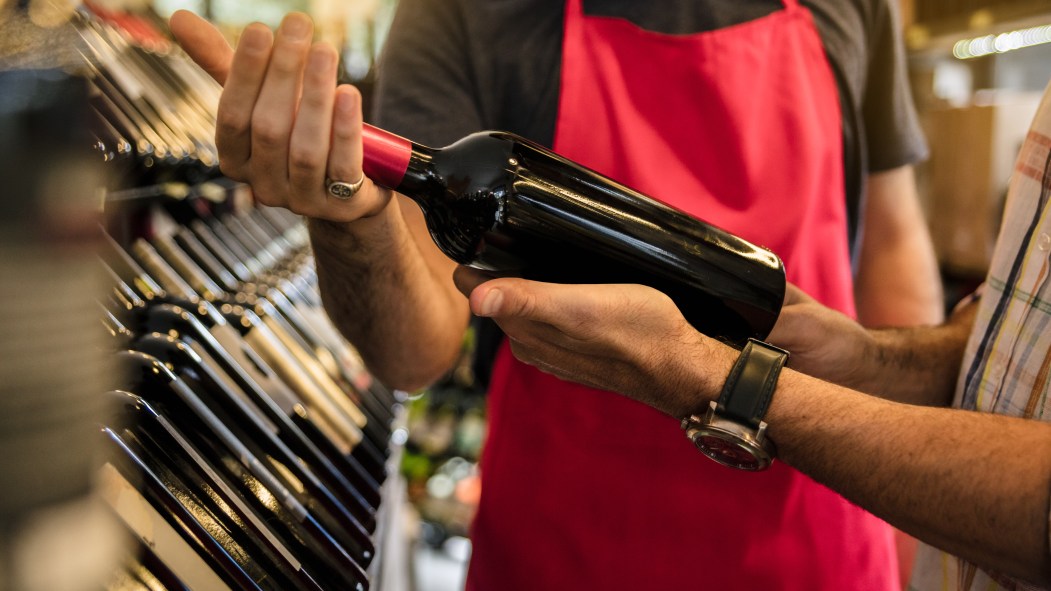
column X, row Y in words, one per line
column 732, row 430
column 917, row 365
column 867, row 370
column 704, row 374
column 372, row 230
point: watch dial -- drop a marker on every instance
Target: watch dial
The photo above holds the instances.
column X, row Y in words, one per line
column 727, row 452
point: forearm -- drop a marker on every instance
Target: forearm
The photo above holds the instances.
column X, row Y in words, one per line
column 976, row 485
column 900, row 286
column 898, row 282
column 391, row 296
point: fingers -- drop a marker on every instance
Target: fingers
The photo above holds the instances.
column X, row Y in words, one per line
column 309, row 145
column 283, row 125
column 530, row 311
column 615, row 337
column 275, row 109
column 203, row 43
column 344, row 162
column 334, row 121
column 574, row 311
column 566, row 305
column 233, row 122
column 509, row 297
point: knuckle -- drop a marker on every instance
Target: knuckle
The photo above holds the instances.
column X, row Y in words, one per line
column 342, row 131
column 305, row 158
column 229, row 122
column 231, row 169
column 265, row 197
column 300, row 181
column 524, row 305
column 319, row 76
column 267, row 131
column 314, row 100
column 287, row 62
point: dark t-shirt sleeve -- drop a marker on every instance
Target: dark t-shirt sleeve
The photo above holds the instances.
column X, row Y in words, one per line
column 452, row 67
column 424, row 88
column 893, row 134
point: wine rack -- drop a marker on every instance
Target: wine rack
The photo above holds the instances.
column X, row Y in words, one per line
column 245, row 445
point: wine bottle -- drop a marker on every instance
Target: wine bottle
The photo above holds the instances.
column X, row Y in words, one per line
column 503, row 204
column 290, row 226
column 298, row 426
column 291, row 296
column 262, row 229
column 161, row 517
column 242, row 474
column 266, row 252
column 235, row 263
column 287, row 324
column 272, row 338
column 112, row 146
column 120, row 67
column 299, row 284
column 291, row 287
column 329, row 430
column 239, row 413
column 118, row 111
column 208, row 501
column 143, row 570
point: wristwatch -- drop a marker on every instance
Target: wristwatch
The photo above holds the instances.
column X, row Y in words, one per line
column 732, row 431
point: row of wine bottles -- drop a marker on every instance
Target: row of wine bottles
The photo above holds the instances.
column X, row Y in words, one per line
column 246, row 425
column 152, row 109
column 249, row 447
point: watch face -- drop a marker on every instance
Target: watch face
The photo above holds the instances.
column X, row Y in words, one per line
column 729, row 453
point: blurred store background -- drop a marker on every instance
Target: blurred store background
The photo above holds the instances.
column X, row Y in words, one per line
column 978, row 68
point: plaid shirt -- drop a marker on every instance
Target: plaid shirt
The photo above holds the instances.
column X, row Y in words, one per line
column 1007, row 365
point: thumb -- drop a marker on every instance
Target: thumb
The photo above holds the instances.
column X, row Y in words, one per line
column 498, row 297
column 520, row 298
column 203, row 43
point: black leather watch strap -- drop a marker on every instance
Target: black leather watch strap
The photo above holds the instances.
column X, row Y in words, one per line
column 751, row 383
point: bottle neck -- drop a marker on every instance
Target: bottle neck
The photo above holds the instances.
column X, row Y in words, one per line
column 393, row 161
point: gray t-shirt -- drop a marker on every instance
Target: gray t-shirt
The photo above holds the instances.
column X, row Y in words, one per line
column 452, row 67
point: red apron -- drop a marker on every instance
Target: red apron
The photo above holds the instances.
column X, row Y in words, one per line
column 588, row 490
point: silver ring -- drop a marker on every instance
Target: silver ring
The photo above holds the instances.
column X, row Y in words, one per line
column 342, row 190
